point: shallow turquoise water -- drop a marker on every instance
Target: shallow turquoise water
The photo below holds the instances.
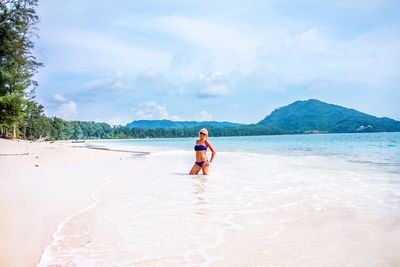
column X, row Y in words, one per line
column 379, row 149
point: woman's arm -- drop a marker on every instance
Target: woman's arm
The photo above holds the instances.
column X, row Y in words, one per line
column 212, row 150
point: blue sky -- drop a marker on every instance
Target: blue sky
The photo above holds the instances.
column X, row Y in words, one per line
column 118, row 61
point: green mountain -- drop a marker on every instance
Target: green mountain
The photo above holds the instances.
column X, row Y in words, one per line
column 168, row 124
column 316, row 116
column 310, row 116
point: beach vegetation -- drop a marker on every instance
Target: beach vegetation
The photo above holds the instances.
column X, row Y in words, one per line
column 17, row 64
column 35, row 124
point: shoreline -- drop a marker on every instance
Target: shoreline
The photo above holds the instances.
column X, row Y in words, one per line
column 138, row 153
column 61, row 224
column 42, row 185
column 226, row 136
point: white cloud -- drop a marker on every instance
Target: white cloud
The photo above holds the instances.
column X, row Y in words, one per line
column 59, row 98
column 119, row 120
column 215, row 90
column 210, row 35
column 151, row 110
column 116, row 81
column 203, row 116
column 198, row 44
column 308, row 58
column 77, row 50
column 65, row 108
column 68, row 110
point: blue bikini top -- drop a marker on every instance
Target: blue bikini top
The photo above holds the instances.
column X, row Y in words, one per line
column 200, row 147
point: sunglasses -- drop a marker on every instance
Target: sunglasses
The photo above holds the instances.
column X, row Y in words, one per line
column 202, row 134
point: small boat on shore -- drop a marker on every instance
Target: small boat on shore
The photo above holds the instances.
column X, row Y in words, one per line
column 78, row 141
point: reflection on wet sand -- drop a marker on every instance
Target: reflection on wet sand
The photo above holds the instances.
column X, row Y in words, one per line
column 200, row 185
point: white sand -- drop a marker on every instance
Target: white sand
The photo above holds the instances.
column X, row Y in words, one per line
column 41, row 184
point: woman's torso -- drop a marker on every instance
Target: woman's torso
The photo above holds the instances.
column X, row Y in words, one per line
column 200, row 149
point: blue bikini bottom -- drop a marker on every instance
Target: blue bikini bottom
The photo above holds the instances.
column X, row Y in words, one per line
column 200, row 163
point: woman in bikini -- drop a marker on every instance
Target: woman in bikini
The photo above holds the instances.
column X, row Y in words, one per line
column 201, row 146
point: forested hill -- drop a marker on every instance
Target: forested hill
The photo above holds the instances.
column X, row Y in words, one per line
column 168, row 124
column 310, row 116
column 316, row 116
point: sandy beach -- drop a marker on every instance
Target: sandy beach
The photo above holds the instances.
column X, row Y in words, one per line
column 41, row 184
column 254, row 209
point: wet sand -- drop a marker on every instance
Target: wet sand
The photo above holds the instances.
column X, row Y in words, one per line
column 267, row 210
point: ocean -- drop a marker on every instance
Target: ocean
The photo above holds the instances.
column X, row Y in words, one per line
column 286, row 200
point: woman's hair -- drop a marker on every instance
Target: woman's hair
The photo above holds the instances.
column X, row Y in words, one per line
column 204, row 130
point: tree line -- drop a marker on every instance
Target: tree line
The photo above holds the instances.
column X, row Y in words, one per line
column 42, row 127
